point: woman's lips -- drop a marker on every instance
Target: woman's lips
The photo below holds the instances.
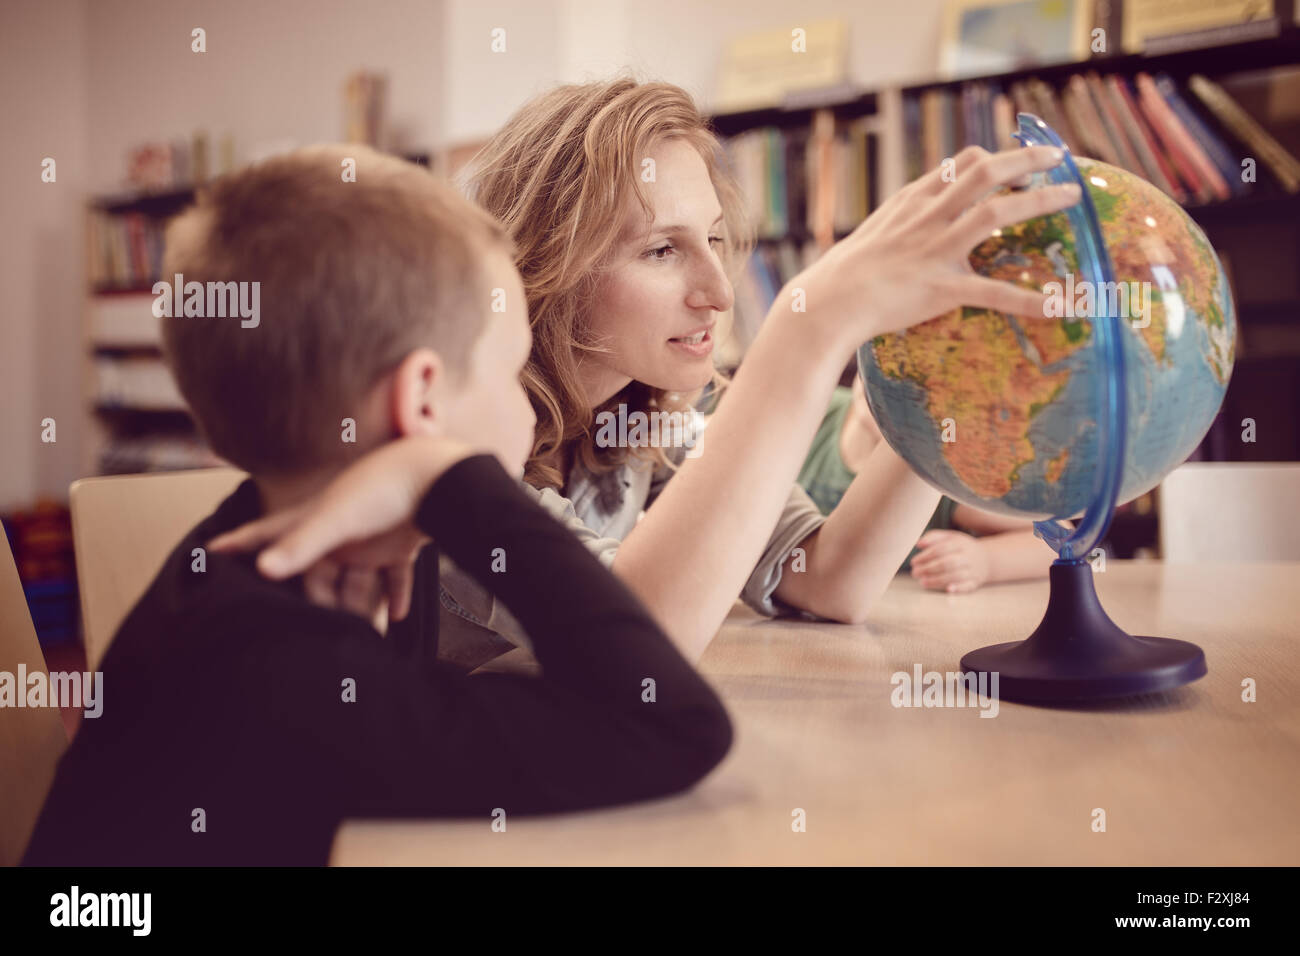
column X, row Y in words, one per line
column 698, row 344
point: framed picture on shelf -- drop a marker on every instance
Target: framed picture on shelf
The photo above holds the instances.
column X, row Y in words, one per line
column 999, row 36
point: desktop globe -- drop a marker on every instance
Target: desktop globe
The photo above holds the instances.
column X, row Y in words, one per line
column 1070, row 413
column 998, row 411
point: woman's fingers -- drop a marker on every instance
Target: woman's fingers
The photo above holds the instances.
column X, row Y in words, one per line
column 947, row 174
column 980, row 292
column 974, row 175
column 979, row 222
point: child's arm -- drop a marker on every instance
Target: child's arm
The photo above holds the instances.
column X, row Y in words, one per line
column 957, row 562
column 617, row 715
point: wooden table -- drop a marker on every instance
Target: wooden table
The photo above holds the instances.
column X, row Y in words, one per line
column 1189, row 777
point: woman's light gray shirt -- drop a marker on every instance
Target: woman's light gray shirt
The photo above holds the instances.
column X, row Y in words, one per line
column 474, row 627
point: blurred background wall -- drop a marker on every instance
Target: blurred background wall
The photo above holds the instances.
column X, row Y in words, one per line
column 86, row 80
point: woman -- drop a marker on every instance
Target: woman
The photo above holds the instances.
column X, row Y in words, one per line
column 625, row 222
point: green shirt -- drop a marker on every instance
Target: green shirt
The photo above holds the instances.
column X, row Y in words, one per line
column 825, row 476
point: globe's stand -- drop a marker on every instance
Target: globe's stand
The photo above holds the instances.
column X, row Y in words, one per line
column 1078, row 653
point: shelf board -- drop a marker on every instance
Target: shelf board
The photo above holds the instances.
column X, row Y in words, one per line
column 107, row 290
column 142, row 415
column 797, row 112
column 124, row 349
column 157, row 204
column 1280, row 50
column 1262, row 204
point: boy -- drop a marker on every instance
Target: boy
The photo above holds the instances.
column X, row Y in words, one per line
column 948, row 556
column 242, row 722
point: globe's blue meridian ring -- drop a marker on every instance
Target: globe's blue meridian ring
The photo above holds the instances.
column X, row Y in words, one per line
column 1112, row 388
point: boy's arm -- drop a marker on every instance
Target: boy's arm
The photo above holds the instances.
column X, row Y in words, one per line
column 617, row 715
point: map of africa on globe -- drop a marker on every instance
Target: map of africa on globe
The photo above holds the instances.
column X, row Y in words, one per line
column 1016, row 397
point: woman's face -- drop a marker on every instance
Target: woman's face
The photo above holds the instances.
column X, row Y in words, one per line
column 657, row 305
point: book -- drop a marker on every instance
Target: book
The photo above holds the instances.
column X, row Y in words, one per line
column 1111, row 124
column 1215, row 148
column 1207, row 180
column 1084, row 113
column 1283, row 165
column 1149, row 148
column 931, row 121
column 1272, row 97
column 1004, row 122
column 970, row 120
column 1138, row 137
column 1051, row 110
column 774, row 211
column 821, row 182
column 796, row 177
column 913, row 157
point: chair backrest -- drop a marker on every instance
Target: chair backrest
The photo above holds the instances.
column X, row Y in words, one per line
column 1230, row 512
column 31, row 738
column 123, row 528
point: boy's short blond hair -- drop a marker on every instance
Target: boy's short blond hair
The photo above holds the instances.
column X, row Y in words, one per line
column 353, row 276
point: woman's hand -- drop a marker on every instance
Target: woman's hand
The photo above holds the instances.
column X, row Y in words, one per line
column 909, row 261
column 355, row 541
column 951, row 561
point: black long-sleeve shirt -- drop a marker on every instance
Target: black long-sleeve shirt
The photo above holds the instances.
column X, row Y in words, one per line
column 225, row 693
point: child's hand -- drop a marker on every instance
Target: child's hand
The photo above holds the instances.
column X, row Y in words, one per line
column 357, row 533
column 951, row 561
column 909, row 261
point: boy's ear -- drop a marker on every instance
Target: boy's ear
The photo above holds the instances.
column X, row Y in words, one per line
column 413, row 394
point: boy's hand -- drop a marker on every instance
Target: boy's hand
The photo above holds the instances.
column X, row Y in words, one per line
column 909, row 261
column 357, row 533
column 951, row 561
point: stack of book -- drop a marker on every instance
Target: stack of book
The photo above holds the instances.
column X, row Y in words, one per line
column 805, row 187
column 806, row 181
column 142, row 382
column 156, row 452
column 772, row 265
column 124, row 251
column 1145, row 124
column 41, row 541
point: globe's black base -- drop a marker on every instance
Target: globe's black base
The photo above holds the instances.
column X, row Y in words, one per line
column 1078, row 653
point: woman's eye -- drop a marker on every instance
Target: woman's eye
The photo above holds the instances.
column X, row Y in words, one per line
column 660, row 252
column 715, row 240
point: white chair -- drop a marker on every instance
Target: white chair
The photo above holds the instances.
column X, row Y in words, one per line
column 1221, row 512
column 123, row 528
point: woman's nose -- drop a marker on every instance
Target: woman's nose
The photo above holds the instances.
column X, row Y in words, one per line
column 711, row 288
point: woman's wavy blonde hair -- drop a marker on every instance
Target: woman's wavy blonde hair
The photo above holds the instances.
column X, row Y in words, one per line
column 558, row 176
